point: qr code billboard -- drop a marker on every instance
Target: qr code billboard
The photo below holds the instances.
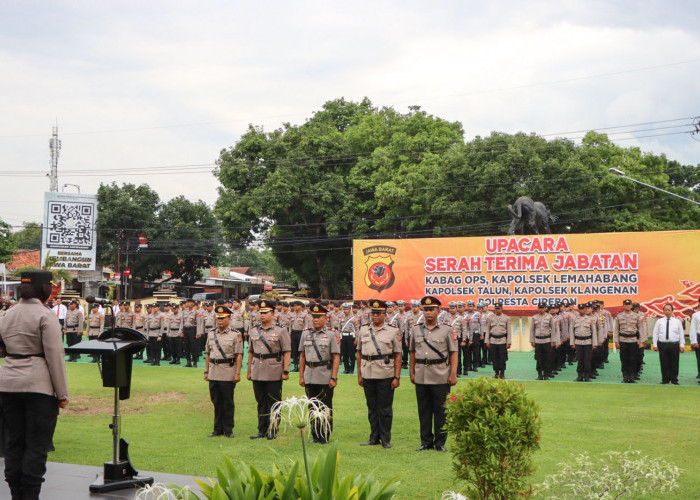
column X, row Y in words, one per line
column 70, row 225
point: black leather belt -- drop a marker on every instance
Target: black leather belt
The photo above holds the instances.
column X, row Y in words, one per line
column 543, row 336
column 583, row 338
column 430, row 361
column 494, row 336
column 374, row 357
column 268, row 355
column 315, row 364
column 25, row 356
column 628, row 335
column 224, row 361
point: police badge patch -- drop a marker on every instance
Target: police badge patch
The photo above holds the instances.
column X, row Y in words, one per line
column 379, row 262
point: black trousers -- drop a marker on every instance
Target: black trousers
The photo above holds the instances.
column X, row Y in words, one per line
column 669, row 353
column 295, row 338
column 348, row 352
column 475, row 350
column 584, row 356
column 380, row 408
column 543, row 354
column 323, row 393
column 175, row 348
column 191, row 344
column 697, row 359
column 629, row 352
column 466, row 358
column 405, row 344
column 266, row 393
column 431, row 413
column 30, row 421
column 154, row 346
column 221, row 395
column 73, row 338
column 498, row 357
column 486, row 356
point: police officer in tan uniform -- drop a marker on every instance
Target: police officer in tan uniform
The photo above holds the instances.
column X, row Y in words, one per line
column 268, row 364
column 139, row 322
column 626, row 338
column 456, row 321
column 544, row 337
column 223, row 360
column 300, row 321
column 319, row 359
column 73, row 327
column 95, row 325
column 349, row 327
column 33, row 384
column 379, row 372
column 190, row 317
column 173, row 326
column 585, row 340
column 153, row 329
column 206, row 321
column 433, row 369
column 498, row 339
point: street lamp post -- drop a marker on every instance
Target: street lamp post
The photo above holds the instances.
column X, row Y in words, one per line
column 623, row 175
column 74, row 185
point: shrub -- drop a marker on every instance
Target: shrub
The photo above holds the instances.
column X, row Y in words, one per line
column 613, row 475
column 495, row 428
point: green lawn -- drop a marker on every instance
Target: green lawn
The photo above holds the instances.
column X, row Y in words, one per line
column 169, row 415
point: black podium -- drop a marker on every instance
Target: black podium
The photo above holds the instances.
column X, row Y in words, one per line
column 114, row 349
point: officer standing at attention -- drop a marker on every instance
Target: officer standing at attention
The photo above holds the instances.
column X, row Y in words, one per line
column 299, row 322
column 544, row 337
column 433, row 369
column 585, row 340
column 627, row 341
column 379, row 372
column 471, row 342
column 498, row 339
column 33, row 384
column 153, row 326
column 319, row 360
column 349, row 326
column 669, row 339
column 413, row 317
column 206, row 321
column 139, row 321
column 190, row 317
column 223, row 360
column 174, row 326
column 268, row 364
column 73, row 327
column 95, row 325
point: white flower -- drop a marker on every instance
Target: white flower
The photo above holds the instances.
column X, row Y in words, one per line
column 301, row 413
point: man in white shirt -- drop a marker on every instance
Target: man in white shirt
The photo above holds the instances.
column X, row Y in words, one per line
column 59, row 310
column 669, row 340
column 695, row 337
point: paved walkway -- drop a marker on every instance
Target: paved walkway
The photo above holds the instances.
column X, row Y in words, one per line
column 72, row 482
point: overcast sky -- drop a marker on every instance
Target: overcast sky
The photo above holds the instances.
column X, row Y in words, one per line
column 153, row 84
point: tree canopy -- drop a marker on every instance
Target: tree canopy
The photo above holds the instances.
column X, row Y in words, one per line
column 29, row 237
column 354, row 170
column 7, row 243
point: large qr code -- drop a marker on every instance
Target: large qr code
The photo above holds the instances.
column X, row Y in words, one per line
column 70, row 225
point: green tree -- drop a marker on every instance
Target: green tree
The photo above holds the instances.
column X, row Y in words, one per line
column 7, row 243
column 29, row 237
column 187, row 238
column 309, row 189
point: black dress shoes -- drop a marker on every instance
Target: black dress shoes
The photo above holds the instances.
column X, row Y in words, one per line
column 386, row 445
column 214, row 434
column 370, row 443
column 440, row 448
column 258, row 436
column 228, row 435
column 424, row 448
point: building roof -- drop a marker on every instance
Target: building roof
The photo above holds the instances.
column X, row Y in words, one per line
column 25, row 258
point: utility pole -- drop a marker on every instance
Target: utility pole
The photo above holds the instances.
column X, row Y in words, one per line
column 55, row 148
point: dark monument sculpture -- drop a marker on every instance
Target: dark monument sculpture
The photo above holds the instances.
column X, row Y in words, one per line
column 533, row 217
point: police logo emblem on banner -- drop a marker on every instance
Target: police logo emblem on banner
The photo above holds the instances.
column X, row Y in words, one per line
column 379, row 262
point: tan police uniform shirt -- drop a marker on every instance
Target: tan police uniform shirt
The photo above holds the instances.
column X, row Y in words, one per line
column 206, row 322
column 124, row 320
column 543, row 329
column 96, row 323
column 444, row 339
column 327, row 343
column 189, row 318
column 456, row 322
column 389, row 341
column 30, row 328
column 585, row 330
column 231, row 344
column 628, row 328
column 349, row 325
column 173, row 324
column 238, row 320
column 140, row 322
column 279, row 341
column 300, row 321
column 74, row 321
column 154, row 324
column 497, row 329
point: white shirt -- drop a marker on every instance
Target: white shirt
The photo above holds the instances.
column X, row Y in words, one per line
column 61, row 311
column 695, row 328
column 675, row 331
